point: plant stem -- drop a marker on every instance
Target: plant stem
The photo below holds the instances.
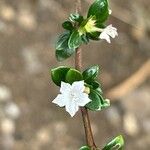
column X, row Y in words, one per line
column 85, row 116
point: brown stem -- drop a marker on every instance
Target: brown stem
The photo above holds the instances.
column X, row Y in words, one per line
column 88, row 131
column 85, row 116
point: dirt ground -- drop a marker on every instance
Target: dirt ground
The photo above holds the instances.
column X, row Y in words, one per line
column 28, row 119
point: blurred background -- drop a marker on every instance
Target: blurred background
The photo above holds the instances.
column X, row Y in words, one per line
column 28, row 119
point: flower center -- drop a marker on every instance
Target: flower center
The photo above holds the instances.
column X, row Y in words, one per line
column 73, row 96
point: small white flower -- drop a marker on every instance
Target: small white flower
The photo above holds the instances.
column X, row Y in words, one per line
column 72, row 97
column 108, row 32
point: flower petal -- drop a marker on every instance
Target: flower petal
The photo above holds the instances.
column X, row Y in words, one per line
column 60, row 100
column 111, row 31
column 113, row 34
column 104, row 36
column 65, row 87
column 78, row 86
column 83, row 99
column 108, row 32
column 72, row 108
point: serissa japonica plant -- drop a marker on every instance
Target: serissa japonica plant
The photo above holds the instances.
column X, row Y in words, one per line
column 81, row 89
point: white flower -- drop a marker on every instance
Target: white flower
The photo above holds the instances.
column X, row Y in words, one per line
column 108, row 32
column 72, row 97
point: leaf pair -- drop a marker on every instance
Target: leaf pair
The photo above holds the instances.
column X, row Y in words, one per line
column 72, row 38
column 90, row 77
column 65, row 74
column 62, row 49
column 67, row 43
column 69, row 40
column 116, row 144
column 98, row 102
column 71, row 75
column 91, row 74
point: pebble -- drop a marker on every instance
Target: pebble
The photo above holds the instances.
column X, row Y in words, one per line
column 7, row 126
column 136, row 106
column 43, row 136
column 12, row 110
column 8, row 142
column 32, row 62
column 113, row 115
column 2, row 28
column 146, row 126
column 60, row 127
column 136, row 101
column 5, row 93
column 26, row 20
column 7, row 13
column 130, row 124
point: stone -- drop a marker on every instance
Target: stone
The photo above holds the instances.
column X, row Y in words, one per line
column 26, row 20
column 5, row 93
column 113, row 116
column 7, row 126
column 32, row 62
column 130, row 124
column 7, row 13
column 12, row 110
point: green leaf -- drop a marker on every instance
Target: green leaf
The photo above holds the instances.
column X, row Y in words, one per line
column 94, row 36
column 75, row 40
column 76, row 18
column 59, row 74
column 99, row 91
column 73, row 75
column 95, row 84
column 85, row 38
column 88, row 85
column 84, row 148
column 105, row 103
column 90, row 74
column 95, row 104
column 115, row 144
column 67, row 25
column 100, row 10
column 62, row 49
column 98, row 102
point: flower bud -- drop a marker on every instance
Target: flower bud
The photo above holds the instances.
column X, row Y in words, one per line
column 89, row 27
column 87, row 90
